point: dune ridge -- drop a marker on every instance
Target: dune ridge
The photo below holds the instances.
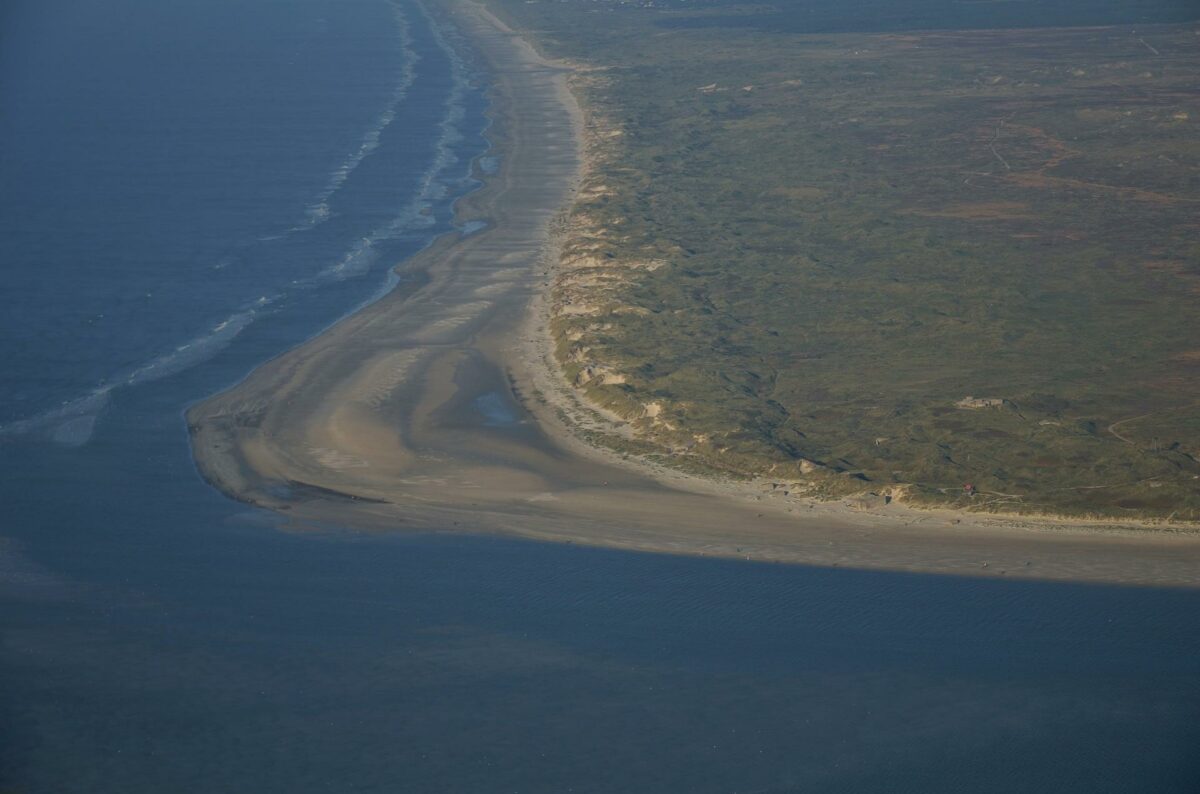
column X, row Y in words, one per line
column 376, row 423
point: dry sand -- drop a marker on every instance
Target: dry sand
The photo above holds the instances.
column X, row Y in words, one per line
column 442, row 409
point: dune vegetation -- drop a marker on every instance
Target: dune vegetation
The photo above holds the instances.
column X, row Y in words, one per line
column 896, row 261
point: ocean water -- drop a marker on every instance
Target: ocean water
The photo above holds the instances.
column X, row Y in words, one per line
column 175, row 173
column 189, row 188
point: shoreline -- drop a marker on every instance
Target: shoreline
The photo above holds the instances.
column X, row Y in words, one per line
column 376, row 424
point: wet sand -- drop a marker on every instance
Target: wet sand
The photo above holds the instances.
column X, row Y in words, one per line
column 438, row 409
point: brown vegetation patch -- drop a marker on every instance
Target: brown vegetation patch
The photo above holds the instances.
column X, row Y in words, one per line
column 1187, row 272
column 1055, row 150
column 981, row 211
column 1041, row 181
column 800, row 193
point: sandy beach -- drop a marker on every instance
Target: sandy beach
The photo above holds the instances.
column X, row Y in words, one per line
column 440, row 408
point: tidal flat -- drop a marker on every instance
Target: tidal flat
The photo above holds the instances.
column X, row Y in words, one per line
column 156, row 636
column 377, row 423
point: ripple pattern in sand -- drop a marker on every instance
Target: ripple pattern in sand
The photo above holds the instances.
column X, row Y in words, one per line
column 388, row 374
column 463, row 315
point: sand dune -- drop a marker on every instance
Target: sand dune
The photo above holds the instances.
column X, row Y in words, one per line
column 441, row 409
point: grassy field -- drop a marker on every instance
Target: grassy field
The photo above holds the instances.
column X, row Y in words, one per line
column 891, row 261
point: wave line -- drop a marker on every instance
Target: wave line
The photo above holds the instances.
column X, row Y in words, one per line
column 319, row 211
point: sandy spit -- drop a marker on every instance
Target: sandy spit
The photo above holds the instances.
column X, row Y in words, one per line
column 443, row 409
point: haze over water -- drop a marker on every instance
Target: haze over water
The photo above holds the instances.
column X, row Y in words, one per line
column 187, row 189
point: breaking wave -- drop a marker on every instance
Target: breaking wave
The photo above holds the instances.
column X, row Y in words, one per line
column 320, row 211
column 418, row 213
column 72, row 423
column 198, row 349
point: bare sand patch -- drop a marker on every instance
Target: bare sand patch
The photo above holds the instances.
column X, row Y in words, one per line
column 358, row 427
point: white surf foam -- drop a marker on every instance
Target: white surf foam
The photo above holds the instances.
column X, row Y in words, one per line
column 73, row 423
column 418, row 213
column 356, row 262
column 198, row 349
column 70, row 424
column 320, row 211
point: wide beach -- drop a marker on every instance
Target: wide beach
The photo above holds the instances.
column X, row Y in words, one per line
column 438, row 407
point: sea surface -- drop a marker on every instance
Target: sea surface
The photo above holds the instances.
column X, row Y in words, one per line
column 189, row 188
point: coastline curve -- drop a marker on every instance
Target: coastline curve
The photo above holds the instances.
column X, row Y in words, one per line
column 436, row 409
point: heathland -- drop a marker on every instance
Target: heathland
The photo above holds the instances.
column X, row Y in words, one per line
column 933, row 261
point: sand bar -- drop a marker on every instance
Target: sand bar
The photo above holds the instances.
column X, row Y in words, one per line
column 438, row 409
